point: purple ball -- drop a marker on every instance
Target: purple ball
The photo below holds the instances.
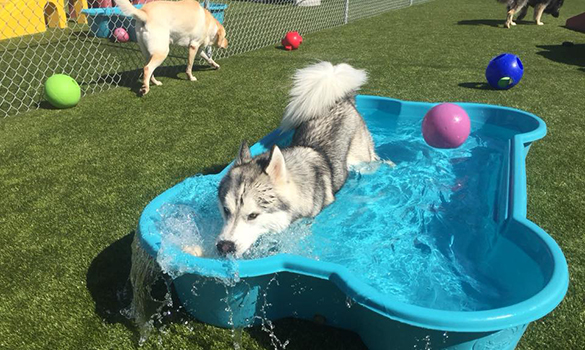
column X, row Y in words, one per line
column 121, row 35
column 446, row 126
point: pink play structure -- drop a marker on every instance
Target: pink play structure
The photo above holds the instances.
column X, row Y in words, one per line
column 577, row 23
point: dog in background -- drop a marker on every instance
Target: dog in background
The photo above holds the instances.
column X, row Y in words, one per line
column 540, row 6
column 266, row 193
column 184, row 23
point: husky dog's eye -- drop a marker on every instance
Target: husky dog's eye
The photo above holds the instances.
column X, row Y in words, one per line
column 226, row 211
column 252, row 216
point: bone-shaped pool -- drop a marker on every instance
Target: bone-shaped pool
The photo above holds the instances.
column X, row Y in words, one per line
column 435, row 251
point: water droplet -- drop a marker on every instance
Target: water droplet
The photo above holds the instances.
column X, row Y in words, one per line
column 349, row 302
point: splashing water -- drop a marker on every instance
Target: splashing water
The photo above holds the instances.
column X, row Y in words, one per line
column 145, row 308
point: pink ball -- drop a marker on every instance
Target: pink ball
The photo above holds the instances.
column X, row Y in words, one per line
column 121, row 35
column 446, row 126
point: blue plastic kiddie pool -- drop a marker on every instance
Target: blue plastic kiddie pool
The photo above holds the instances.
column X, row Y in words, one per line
column 435, row 252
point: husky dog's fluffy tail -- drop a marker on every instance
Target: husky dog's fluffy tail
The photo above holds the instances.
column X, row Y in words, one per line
column 129, row 10
column 317, row 88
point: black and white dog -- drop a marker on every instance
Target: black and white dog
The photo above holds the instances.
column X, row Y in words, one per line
column 266, row 193
column 540, row 6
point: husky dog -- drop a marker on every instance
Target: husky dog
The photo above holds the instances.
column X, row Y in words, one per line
column 266, row 193
column 540, row 6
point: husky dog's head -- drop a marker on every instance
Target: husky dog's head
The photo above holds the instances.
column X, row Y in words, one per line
column 252, row 200
column 554, row 8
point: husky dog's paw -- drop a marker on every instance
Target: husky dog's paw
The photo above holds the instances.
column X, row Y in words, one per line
column 157, row 82
column 194, row 250
column 144, row 90
column 513, row 23
column 192, row 78
column 371, row 167
column 539, row 23
column 215, row 65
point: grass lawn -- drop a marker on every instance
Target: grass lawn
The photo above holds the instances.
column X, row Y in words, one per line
column 74, row 182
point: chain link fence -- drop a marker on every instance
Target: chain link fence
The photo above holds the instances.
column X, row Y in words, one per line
column 81, row 38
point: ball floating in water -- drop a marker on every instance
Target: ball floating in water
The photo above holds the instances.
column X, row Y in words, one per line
column 446, row 125
column 62, row 91
column 121, row 35
column 504, row 71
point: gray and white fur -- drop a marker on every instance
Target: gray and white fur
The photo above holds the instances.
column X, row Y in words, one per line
column 266, row 193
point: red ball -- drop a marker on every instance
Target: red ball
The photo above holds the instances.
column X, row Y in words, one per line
column 292, row 40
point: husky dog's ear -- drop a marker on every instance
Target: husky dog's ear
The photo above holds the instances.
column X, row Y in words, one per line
column 244, row 154
column 276, row 168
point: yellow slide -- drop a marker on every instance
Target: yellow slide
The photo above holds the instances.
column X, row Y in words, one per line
column 25, row 17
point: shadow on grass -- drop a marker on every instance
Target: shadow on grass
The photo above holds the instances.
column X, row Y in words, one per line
column 476, row 85
column 46, row 105
column 108, row 281
column 214, row 169
column 489, row 22
column 129, row 62
column 108, row 278
column 573, row 55
column 281, row 47
column 132, row 79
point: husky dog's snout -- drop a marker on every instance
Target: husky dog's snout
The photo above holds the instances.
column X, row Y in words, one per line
column 226, row 247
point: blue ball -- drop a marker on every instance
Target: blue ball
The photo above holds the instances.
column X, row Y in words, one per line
column 504, row 71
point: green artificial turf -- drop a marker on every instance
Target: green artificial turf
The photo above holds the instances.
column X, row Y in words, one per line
column 74, row 182
column 98, row 63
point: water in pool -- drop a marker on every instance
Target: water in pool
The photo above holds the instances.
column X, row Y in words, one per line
column 416, row 231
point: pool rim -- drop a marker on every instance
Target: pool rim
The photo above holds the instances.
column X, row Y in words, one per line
column 517, row 314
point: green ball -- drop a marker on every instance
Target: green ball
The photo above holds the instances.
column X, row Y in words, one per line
column 62, row 91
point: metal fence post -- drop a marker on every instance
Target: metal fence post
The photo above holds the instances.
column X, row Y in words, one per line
column 347, row 12
column 208, row 49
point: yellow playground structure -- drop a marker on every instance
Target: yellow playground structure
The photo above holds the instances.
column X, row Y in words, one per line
column 25, row 17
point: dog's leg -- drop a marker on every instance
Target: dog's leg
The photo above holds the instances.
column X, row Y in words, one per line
column 538, row 10
column 362, row 156
column 510, row 18
column 155, row 60
column 154, row 81
column 522, row 13
column 209, row 60
column 146, row 60
column 192, row 53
